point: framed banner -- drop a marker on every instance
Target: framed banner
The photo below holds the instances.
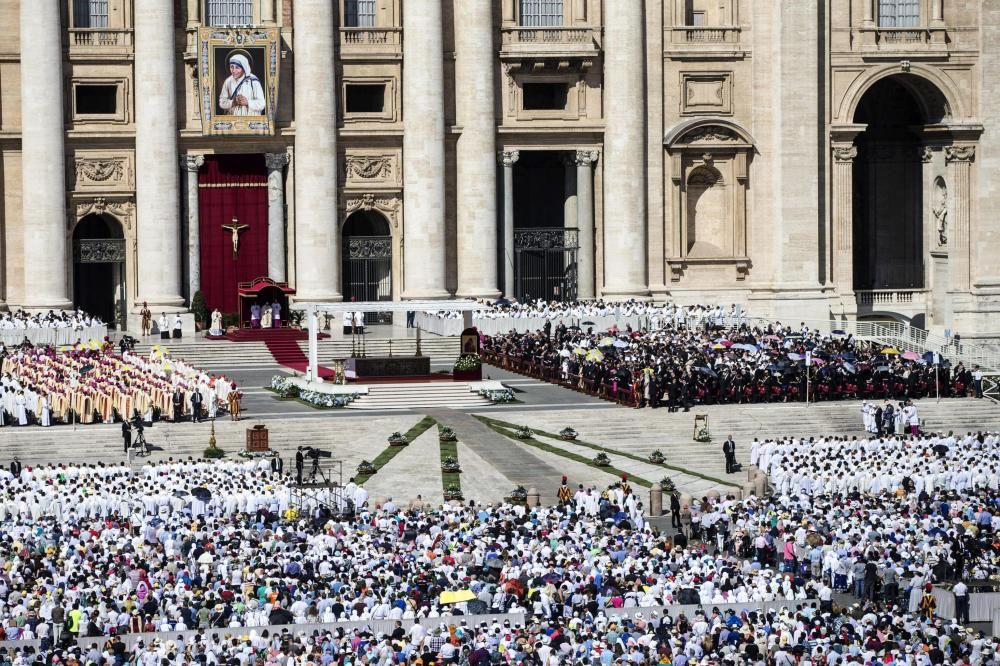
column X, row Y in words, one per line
column 238, row 80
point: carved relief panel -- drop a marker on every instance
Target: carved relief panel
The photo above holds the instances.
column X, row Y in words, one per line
column 103, row 173
column 367, row 171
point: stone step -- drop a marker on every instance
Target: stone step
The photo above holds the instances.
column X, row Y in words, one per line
column 419, row 395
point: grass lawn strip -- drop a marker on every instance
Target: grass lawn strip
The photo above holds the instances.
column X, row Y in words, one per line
column 449, row 449
column 614, row 471
column 598, row 447
column 390, row 452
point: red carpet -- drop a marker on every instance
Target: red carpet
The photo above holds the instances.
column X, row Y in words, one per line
column 269, row 334
column 289, row 354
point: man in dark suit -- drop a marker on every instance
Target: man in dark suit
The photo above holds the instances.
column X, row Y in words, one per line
column 729, row 449
column 178, row 401
column 15, row 467
column 300, row 463
column 196, row 401
column 126, row 435
column 277, row 466
column 675, row 510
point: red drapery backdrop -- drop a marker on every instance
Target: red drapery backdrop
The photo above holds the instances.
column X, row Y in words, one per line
column 228, row 186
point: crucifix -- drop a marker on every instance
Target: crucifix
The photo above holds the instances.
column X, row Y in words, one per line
column 235, row 227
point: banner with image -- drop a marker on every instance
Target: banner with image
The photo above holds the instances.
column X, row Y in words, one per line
column 238, row 80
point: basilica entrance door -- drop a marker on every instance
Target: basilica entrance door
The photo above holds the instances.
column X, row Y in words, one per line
column 99, row 269
column 367, row 262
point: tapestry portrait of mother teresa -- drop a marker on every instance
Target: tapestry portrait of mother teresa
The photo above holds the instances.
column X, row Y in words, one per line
column 241, row 92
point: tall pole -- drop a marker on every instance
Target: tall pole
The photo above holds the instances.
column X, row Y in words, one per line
column 313, row 374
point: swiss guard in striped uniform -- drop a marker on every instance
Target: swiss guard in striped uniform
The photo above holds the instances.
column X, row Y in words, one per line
column 565, row 494
column 624, row 485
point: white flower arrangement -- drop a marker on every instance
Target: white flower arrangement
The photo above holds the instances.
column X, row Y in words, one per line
column 498, row 395
column 326, row 400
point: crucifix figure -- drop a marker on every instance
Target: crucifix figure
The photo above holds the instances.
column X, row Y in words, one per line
column 235, row 227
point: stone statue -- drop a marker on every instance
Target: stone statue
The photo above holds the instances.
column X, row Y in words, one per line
column 941, row 216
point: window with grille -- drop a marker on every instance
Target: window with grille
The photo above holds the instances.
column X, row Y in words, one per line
column 229, row 12
column 359, row 13
column 899, row 13
column 90, row 13
column 542, row 13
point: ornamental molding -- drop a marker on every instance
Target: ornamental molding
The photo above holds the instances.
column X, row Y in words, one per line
column 845, row 153
column 275, row 161
column 959, row 153
column 389, row 206
column 123, row 210
column 711, row 133
column 508, row 157
column 364, row 167
column 102, row 172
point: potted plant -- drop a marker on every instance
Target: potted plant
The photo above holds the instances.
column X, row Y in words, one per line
column 446, row 434
column 657, row 457
column 602, row 459
column 518, row 496
column 453, row 492
column 398, row 439
column 524, row 432
column 365, row 468
column 567, row 434
column 450, row 464
column 468, row 368
column 667, row 486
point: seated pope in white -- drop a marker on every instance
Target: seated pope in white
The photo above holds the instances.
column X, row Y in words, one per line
column 241, row 94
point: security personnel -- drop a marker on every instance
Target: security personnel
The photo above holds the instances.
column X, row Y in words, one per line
column 277, row 466
column 300, row 463
column 565, row 494
column 626, row 488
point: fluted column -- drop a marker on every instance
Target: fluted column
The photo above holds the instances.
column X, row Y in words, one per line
column 843, row 220
column 585, row 287
column 476, row 170
column 157, row 188
column 868, row 15
column 423, row 150
column 959, row 159
column 508, row 159
column 43, row 158
column 937, row 13
column 191, row 164
column 624, row 152
column 276, row 163
column 317, row 231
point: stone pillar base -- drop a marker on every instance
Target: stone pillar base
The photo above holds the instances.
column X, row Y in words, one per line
column 425, row 294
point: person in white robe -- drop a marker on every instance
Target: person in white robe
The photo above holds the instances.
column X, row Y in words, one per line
column 216, row 328
column 46, row 415
column 20, row 411
column 265, row 319
column 276, row 314
column 241, row 93
column 255, row 316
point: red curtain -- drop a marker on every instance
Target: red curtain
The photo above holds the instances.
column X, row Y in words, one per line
column 231, row 186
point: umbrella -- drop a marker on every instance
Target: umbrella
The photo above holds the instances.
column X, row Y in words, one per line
column 837, row 331
column 745, row 346
column 456, row 596
column 818, row 361
column 595, row 355
column 204, row 494
column 911, row 356
column 552, row 577
column 717, row 346
column 848, row 356
column 795, row 357
column 707, row 371
column 501, row 302
column 620, row 344
column 579, row 351
column 771, row 337
column 587, row 323
column 565, row 353
column 605, row 342
column 890, row 351
column 850, row 368
column 882, row 368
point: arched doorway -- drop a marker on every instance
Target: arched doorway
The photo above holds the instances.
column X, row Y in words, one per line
column 888, row 229
column 99, row 268
column 367, row 261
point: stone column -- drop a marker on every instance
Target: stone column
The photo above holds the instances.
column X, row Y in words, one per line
column 317, row 231
column 476, row 170
column 157, row 188
column 267, row 12
column 423, row 150
column 585, row 287
column 191, row 165
column 959, row 159
column 508, row 158
column 843, row 222
column 43, row 159
column 276, row 163
column 937, row 13
column 624, row 153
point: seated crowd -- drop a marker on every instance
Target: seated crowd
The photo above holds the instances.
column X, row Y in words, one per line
column 77, row 320
column 662, row 314
column 100, row 551
column 92, row 383
column 680, row 366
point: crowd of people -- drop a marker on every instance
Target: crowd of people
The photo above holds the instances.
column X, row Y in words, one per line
column 98, row 551
column 21, row 320
column 658, row 314
column 90, row 383
column 679, row 366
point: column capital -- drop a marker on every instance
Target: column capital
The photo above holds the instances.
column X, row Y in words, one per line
column 844, row 153
column 959, row 153
column 508, row 157
column 275, row 161
column 586, row 157
column 192, row 163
